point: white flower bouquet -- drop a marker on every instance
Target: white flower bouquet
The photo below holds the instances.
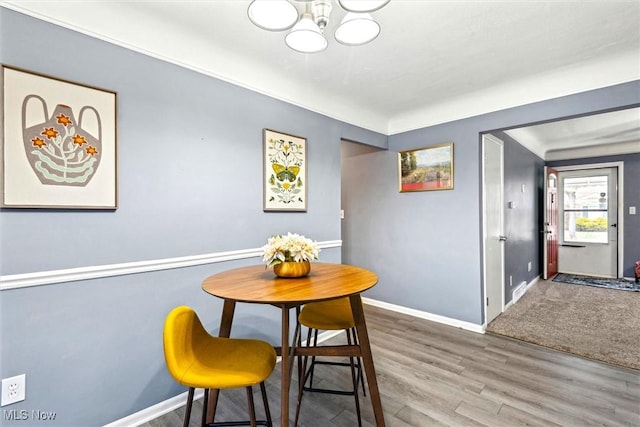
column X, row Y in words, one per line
column 290, row 248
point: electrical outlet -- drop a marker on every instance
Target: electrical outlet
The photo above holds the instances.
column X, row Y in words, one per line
column 13, row 389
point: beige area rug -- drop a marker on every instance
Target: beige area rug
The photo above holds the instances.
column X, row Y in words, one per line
column 601, row 324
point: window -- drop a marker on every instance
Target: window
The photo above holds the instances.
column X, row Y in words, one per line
column 586, row 209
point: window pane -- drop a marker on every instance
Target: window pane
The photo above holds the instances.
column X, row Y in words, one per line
column 585, row 193
column 588, row 227
column 586, row 215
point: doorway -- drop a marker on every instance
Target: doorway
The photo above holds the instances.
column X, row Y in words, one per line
column 550, row 229
column 588, row 224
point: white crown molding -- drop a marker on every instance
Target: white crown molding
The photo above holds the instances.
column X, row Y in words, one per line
column 595, row 151
column 14, row 281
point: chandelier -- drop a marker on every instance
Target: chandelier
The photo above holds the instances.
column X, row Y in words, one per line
column 307, row 29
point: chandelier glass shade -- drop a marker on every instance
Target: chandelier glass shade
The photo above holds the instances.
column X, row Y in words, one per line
column 362, row 6
column 273, row 15
column 305, row 36
column 306, row 33
column 357, row 29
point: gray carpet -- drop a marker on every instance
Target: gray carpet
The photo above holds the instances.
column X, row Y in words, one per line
column 598, row 323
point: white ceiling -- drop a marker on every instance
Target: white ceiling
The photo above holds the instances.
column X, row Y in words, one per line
column 434, row 61
column 616, row 132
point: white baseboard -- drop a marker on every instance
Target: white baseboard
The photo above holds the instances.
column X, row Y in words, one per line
column 175, row 402
column 520, row 291
column 425, row 315
column 155, row 411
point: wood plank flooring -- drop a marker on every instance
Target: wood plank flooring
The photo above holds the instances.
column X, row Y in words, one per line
column 435, row 375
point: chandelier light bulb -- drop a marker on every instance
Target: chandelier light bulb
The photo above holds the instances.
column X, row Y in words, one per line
column 272, row 15
column 305, row 36
column 357, row 29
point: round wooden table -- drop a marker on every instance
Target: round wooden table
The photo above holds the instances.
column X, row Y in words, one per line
column 257, row 285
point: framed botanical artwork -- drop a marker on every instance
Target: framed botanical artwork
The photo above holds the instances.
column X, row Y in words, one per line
column 58, row 143
column 285, row 172
column 426, row 169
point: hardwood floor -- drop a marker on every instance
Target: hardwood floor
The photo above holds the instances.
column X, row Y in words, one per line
column 435, row 375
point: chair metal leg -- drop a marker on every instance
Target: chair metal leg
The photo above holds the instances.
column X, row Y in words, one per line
column 358, row 364
column 354, row 380
column 205, row 402
column 252, row 412
column 356, row 374
column 187, row 410
column 302, row 378
column 265, row 401
column 313, row 358
column 252, row 408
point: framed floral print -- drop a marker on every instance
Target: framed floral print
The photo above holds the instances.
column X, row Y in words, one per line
column 58, row 143
column 426, row 169
column 285, row 172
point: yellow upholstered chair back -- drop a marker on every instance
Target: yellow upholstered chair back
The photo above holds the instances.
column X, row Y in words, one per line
column 183, row 333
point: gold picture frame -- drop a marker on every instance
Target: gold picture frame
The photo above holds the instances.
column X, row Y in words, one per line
column 284, row 172
column 59, row 145
column 426, row 169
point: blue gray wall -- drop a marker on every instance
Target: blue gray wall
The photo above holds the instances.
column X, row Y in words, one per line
column 522, row 224
column 631, row 184
column 190, row 183
column 426, row 246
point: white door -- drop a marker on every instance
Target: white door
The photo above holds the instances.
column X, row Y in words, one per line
column 588, row 222
column 493, row 235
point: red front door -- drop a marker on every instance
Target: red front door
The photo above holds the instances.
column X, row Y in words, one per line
column 551, row 223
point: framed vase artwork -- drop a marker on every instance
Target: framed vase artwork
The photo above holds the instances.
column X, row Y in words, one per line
column 285, row 172
column 426, row 169
column 59, row 145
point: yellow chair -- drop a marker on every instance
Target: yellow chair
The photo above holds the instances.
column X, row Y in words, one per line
column 195, row 359
column 330, row 315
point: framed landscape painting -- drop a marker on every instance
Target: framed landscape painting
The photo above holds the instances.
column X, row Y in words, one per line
column 426, row 169
column 58, row 143
column 285, row 172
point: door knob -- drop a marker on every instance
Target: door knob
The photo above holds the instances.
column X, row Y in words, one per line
column 502, row 238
